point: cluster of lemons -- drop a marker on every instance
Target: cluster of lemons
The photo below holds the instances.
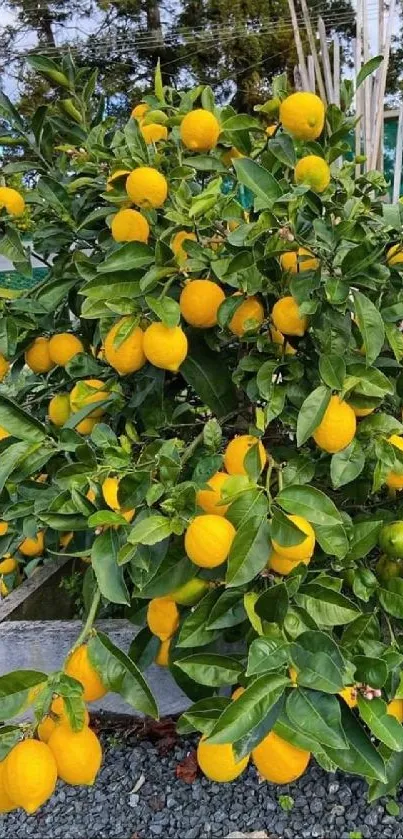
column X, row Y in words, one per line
column 10, row 572
column 29, row 773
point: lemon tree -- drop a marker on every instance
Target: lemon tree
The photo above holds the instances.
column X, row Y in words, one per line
column 207, row 408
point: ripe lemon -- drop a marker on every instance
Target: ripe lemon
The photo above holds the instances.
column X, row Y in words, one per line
column 3, row 433
column 293, row 674
column 86, row 425
column 208, row 540
column 287, row 319
column 337, row 428
column 237, row 450
column 391, row 539
column 200, row 130
column 63, row 347
column 33, row 547
column 162, row 617
column 247, row 317
column 230, row 155
column 30, row 774
column 126, row 356
column 349, row 695
column 110, row 488
column 361, row 411
column 199, row 303
column 303, row 115
column 177, row 244
column 395, row 480
column 146, row 187
column 85, row 393
column 11, row 201
column 4, row 367
column 153, row 132
column 298, row 261
column 115, row 176
column 78, row 754
column 165, row 346
column 65, row 539
column 59, row 409
column 395, row 708
column 284, row 566
column 305, row 548
column 278, row 338
column 47, row 726
column 140, row 111
column 79, row 667
column 6, row 804
column 130, row 226
column 217, row 761
column 162, row 657
column 394, row 255
column 3, row 527
column 4, row 590
column 37, row 356
column 8, row 565
column 190, row 593
column 278, row 761
column 314, row 172
column 271, row 129
column 209, row 499
column 237, row 693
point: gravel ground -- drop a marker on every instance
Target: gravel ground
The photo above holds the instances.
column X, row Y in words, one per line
column 138, row 796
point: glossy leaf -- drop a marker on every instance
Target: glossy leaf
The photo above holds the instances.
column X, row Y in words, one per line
column 249, row 552
column 110, row 576
column 120, row 674
column 211, row 669
column 318, row 716
column 240, row 718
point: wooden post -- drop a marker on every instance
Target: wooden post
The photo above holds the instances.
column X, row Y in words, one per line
column 336, row 70
column 325, row 60
column 358, row 94
column 311, row 73
column 367, row 85
column 382, row 85
column 298, row 44
column 312, row 44
column 398, row 160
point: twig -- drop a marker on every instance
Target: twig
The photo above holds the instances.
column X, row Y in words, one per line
column 90, row 619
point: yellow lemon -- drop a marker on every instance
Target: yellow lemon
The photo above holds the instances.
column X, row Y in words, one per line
column 162, row 657
column 287, row 319
column 395, row 708
column 78, row 754
column 3, row 433
column 63, row 347
column 153, row 132
column 126, row 355
column 177, row 244
column 115, row 176
column 47, row 726
column 278, row 761
column 208, row 540
column 278, row 338
column 85, row 393
column 140, row 111
column 86, row 425
column 4, row 367
column 65, row 539
column 305, row 549
column 30, row 774
column 79, row 667
column 394, row 255
column 191, row 592
column 361, row 411
column 303, row 115
column 230, row 155
column 162, row 617
column 11, row 201
column 199, row 303
column 337, row 428
column 349, row 694
column 237, row 693
column 59, row 409
column 200, row 130
column 298, row 261
column 271, row 129
column 37, row 356
column 110, row 488
column 314, row 172
column 247, row 317
column 281, row 565
column 209, row 499
column 130, row 226
column 165, row 346
column 33, row 547
column 8, row 565
column 217, row 761
column 147, row 187
column 394, row 480
column 236, row 451
column 6, row 804
column 3, row 527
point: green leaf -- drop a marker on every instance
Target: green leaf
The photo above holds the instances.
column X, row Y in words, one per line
column 346, row 465
column 272, row 605
column 390, row 595
column 394, row 774
column 368, row 68
column 249, row 552
column 370, row 324
column 361, row 758
column 150, row 530
column 228, row 611
column 395, row 340
column 363, row 630
column 194, row 631
column 241, row 122
column 242, row 717
column 209, row 377
column 284, row 531
column 311, row 413
column 258, row 180
column 16, row 691
column 282, row 147
column 332, row 369
column 326, row 607
column 202, row 715
column 385, row 727
column 48, row 68
column 106, row 517
column 10, row 459
column 310, row 503
column 211, row 669
column 266, row 654
column 166, row 309
column 120, row 674
column 158, row 85
column 110, row 578
column 252, row 503
column 128, row 257
column 318, row 662
column 9, row 737
column 19, row 423
column 317, row 715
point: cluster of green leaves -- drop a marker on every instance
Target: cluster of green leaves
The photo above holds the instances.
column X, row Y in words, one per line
column 163, row 436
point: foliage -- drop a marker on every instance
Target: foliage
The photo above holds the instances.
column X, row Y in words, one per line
column 163, row 434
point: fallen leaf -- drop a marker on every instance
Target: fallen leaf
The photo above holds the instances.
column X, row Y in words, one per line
column 187, row 769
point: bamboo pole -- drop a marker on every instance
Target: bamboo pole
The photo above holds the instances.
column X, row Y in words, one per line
column 311, row 73
column 298, row 43
column 336, row 70
column 398, row 159
column 381, row 51
column 367, row 90
column 312, row 44
column 382, row 85
column 358, row 94
column 325, row 60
